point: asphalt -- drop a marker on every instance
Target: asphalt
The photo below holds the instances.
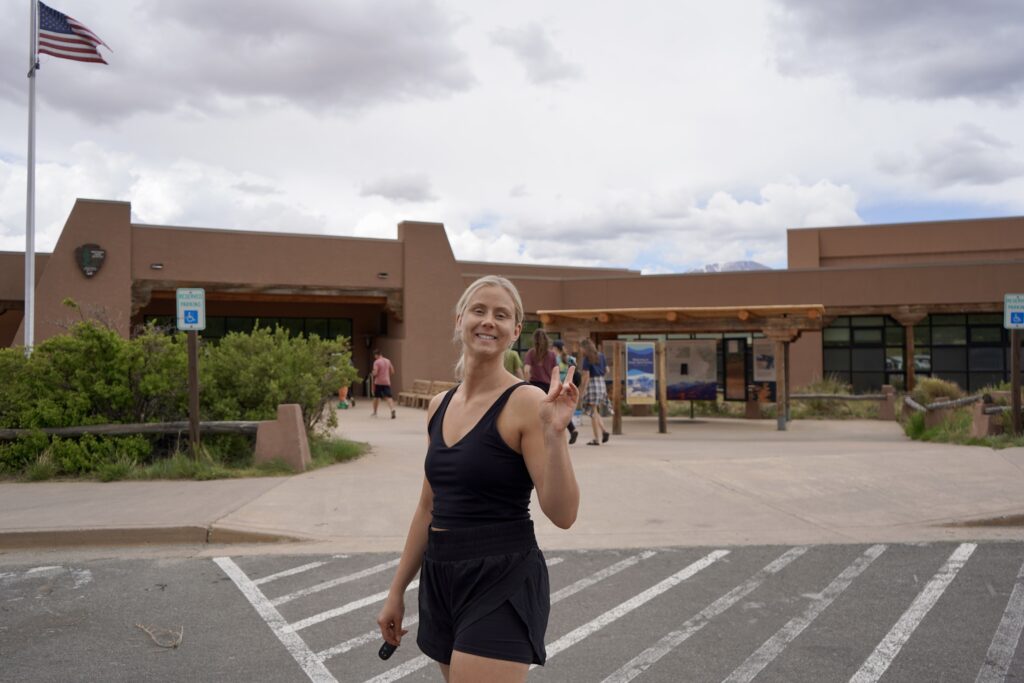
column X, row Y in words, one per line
column 707, row 481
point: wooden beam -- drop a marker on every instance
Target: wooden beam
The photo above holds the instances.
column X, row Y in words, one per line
column 546, row 319
column 743, row 315
column 672, row 316
column 603, row 318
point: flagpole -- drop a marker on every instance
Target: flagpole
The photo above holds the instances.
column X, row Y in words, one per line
column 29, row 319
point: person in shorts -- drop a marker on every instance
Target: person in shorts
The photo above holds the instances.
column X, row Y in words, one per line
column 484, row 596
column 381, row 378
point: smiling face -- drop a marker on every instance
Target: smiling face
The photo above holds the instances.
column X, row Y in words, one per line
column 488, row 324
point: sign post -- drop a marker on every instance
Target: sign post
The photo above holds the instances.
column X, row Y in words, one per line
column 1013, row 320
column 191, row 319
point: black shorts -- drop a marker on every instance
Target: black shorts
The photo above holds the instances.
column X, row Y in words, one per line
column 381, row 391
column 484, row 591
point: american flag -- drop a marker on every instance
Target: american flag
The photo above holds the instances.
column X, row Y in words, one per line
column 61, row 36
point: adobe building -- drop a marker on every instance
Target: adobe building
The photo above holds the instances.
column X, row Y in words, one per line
column 893, row 301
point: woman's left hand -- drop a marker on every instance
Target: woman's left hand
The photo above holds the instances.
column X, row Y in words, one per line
column 559, row 405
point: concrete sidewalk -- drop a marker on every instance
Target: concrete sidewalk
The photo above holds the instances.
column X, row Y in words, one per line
column 706, row 482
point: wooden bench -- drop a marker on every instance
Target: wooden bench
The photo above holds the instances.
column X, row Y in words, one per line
column 420, row 393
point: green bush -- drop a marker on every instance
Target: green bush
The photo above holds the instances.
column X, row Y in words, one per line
column 246, row 376
column 91, row 375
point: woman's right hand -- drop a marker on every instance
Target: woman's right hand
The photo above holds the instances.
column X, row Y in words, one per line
column 390, row 620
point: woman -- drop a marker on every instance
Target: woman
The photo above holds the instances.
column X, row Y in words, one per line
column 595, row 395
column 484, row 595
column 541, row 360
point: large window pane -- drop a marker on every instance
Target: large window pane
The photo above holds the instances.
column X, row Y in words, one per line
column 949, row 319
column 243, row 325
column 985, row 319
column 867, row 382
column 317, row 326
column 986, row 335
column 949, row 360
column 956, row 335
column 959, row 378
column 981, row 380
column 294, row 326
column 894, row 336
column 214, row 327
column 868, row 360
column 894, row 359
column 835, row 336
column 867, row 321
column 836, row 360
column 922, row 335
column 922, row 360
column 867, row 336
column 986, row 359
column 339, row 327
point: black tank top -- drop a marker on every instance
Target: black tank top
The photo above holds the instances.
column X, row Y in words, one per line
column 479, row 480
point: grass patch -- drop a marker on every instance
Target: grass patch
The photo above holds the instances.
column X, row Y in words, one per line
column 325, row 451
column 957, row 430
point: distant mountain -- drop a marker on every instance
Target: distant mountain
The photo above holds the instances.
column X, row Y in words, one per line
column 729, row 266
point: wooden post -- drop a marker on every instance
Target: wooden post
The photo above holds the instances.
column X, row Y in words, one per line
column 786, row 384
column 659, row 369
column 1015, row 380
column 908, row 358
column 193, row 392
column 616, row 355
column 781, row 371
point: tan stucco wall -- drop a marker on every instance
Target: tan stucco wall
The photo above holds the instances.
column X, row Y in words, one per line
column 106, row 295
column 420, row 345
column 986, row 239
column 264, row 259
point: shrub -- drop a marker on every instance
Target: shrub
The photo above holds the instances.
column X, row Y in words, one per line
column 931, row 389
column 246, row 376
column 91, row 375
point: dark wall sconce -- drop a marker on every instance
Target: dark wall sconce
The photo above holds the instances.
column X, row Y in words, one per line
column 382, row 276
column 156, row 266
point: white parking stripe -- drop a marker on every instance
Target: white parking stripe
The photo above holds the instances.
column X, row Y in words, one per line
column 298, row 649
column 368, row 637
column 1004, row 643
column 879, row 660
column 619, row 611
column 346, row 608
column 288, row 572
column 335, row 582
column 645, row 659
column 785, row 635
column 417, row 663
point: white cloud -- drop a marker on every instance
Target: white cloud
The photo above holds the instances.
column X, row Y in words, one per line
column 543, row 62
column 412, row 187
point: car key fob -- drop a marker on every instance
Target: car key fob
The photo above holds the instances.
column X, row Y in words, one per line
column 386, row 650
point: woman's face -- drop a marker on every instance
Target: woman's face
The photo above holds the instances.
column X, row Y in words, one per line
column 488, row 324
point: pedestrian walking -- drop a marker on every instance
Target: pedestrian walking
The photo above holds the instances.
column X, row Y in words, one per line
column 595, row 393
column 380, row 377
column 565, row 361
column 484, row 595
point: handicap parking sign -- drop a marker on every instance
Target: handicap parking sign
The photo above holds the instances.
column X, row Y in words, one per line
column 1013, row 311
column 191, row 309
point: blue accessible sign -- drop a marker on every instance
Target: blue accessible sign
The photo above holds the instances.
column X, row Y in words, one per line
column 191, row 309
column 1013, row 311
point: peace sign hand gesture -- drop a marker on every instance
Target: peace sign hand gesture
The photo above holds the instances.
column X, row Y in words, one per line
column 559, row 405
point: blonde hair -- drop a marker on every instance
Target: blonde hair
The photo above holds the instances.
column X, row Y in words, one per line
column 463, row 303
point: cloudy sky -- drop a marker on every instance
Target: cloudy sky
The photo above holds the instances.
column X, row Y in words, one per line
column 651, row 135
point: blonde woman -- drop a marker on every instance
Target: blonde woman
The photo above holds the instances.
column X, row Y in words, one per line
column 484, row 596
column 595, row 394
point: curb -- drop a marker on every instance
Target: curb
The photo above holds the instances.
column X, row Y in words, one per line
column 173, row 535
